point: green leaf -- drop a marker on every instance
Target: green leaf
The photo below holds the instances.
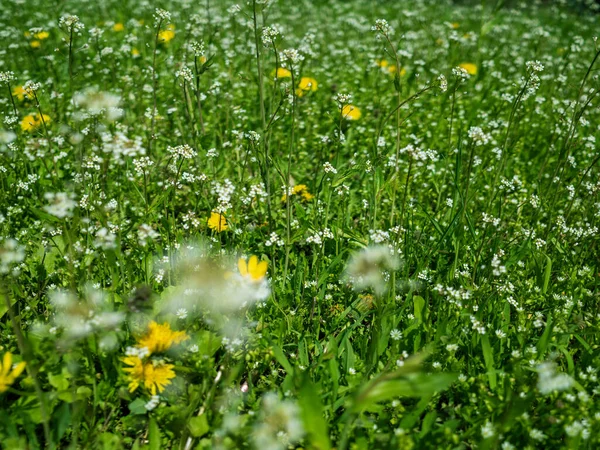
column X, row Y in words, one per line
column 198, row 425
column 312, row 416
column 154, row 435
column 489, row 360
column 547, row 273
column 419, row 306
column 281, row 358
column 138, row 406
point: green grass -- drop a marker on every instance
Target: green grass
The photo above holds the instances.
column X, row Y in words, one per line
column 432, row 265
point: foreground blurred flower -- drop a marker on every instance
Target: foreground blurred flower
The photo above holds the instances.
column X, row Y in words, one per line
column 469, row 67
column 11, row 253
column 153, row 375
column 217, row 222
column 367, row 268
column 97, row 103
column 32, row 122
column 8, row 374
column 351, row 112
column 279, row 426
column 161, row 338
column 61, row 204
column 19, row 92
column 252, row 268
column 306, row 84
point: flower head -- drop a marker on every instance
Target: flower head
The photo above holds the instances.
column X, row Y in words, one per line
column 351, row 112
column 32, row 122
column 154, row 375
column 167, row 34
column 281, row 72
column 161, row 338
column 469, row 67
column 300, row 190
column 217, row 222
column 8, row 374
column 306, row 84
column 252, row 268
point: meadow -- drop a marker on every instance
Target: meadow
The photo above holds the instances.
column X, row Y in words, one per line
column 299, row 225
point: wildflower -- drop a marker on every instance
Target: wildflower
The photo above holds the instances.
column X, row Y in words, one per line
column 152, row 403
column 252, row 268
column 550, row 381
column 351, row 112
column 8, row 373
column 181, row 313
column 161, row 338
column 281, row 72
column 217, row 222
column 98, row 102
column 32, row 122
column 469, row 67
column 154, row 375
column 35, row 44
column 302, row 191
column 118, row 27
column 396, row 335
column 10, row 253
column 306, row 84
column 390, row 68
column 279, row 426
column 167, row 34
column 61, row 204
column 146, row 233
column 366, row 268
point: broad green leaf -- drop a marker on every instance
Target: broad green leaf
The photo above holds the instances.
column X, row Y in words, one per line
column 198, row 425
column 312, row 416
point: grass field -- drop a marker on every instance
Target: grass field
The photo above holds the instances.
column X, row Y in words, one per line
column 294, row 224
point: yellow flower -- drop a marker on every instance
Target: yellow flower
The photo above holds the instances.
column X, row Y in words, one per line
column 8, row 375
column 19, row 92
column 32, row 122
column 135, row 52
column 118, row 27
column 41, row 35
column 253, row 268
column 351, row 112
column 306, row 84
column 455, row 25
column 217, row 222
column 282, row 72
column 153, row 375
column 160, row 338
column 167, row 34
column 302, row 191
column 35, row 44
column 469, row 67
column 391, row 68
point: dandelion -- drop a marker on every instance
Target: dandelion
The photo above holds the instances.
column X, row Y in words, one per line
column 161, row 338
column 351, row 112
column 118, row 27
column 153, row 375
column 469, row 67
column 281, row 72
column 217, row 222
column 252, row 268
column 8, row 373
column 300, row 190
column 32, row 122
column 305, row 85
column 167, row 34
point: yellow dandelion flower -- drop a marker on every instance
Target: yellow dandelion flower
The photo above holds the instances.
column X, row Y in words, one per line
column 118, row 27
column 202, row 59
column 135, row 52
column 35, row 44
column 217, row 222
column 41, row 35
column 19, row 92
column 167, row 34
column 161, row 338
column 302, row 191
column 391, row 68
column 8, row 374
column 253, row 268
column 32, row 122
column 469, row 67
column 351, row 112
column 455, row 25
column 281, row 72
column 306, row 84
column 152, row 375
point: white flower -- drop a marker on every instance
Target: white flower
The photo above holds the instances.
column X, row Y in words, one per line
column 61, row 204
